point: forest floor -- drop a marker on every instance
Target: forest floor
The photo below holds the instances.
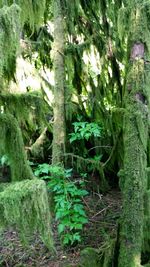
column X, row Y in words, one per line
column 103, row 213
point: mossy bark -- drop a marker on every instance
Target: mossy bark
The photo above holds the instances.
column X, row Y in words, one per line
column 133, row 180
column 11, row 144
column 59, row 89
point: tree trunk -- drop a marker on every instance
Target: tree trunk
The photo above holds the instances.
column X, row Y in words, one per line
column 59, row 99
column 133, row 180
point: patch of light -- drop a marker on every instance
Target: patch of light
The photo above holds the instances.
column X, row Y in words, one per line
column 107, row 105
column 26, row 77
column 92, row 58
column 48, row 76
column 110, row 71
column 92, row 62
column 50, row 27
column 1, row 109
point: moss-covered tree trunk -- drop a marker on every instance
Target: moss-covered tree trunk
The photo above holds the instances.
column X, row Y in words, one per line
column 133, row 180
column 59, row 99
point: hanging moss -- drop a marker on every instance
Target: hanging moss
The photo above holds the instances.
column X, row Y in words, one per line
column 71, row 12
column 27, row 108
column 24, row 205
column 9, row 39
column 32, row 12
column 11, row 144
column 123, row 22
column 12, row 19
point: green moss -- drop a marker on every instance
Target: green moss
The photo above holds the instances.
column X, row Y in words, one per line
column 29, row 109
column 106, row 253
column 123, row 22
column 89, row 257
column 134, row 175
column 13, row 16
column 32, row 12
column 146, row 237
column 9, row 39
column 11, row 144
column 24, row 205
column 134, row 179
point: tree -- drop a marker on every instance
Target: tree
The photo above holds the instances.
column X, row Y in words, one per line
column 134, row 180
column 59, row 88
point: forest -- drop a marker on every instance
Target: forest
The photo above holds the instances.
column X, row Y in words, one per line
column 75, row 133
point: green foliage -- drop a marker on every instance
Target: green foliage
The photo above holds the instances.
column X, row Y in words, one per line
column 24, row 205
column 85, row 130
column 69, row 209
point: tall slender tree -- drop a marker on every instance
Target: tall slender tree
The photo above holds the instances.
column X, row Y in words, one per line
column 59, row 88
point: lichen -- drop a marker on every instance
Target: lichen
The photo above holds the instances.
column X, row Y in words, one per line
column 24, row 206
column 11, row 144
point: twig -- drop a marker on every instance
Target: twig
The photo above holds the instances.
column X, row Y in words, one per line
column 86, row 204
column 99, row 195
column 112, row 152
column 101, row 211
column 83, row 159
column 99, row 146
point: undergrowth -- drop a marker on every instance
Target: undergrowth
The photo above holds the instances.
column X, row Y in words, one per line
column 69, row 210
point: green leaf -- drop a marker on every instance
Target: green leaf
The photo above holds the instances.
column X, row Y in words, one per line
column 78, row 226
column 58, row 215
column 77, row 237
column 61, row 228
column 83, row 220
column 73, row 138
column 67, row 239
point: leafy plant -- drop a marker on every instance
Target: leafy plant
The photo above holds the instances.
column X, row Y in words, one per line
column 85, row 130
column 69, row 210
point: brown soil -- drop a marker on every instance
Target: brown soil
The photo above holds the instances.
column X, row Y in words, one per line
column 103, row 213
